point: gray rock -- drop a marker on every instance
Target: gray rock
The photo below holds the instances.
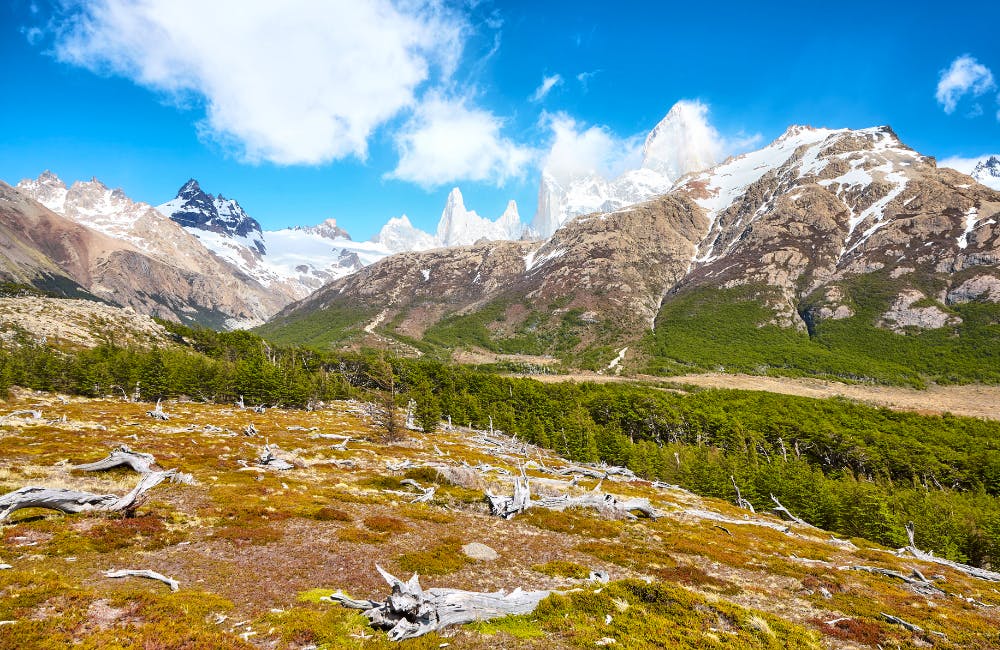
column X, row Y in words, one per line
column 478, row 551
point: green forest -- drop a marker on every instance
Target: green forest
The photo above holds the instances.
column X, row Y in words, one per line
column 856, row 470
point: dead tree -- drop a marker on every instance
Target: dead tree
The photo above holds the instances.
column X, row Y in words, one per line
column 509, row 506
column 782, row 510
column 740, row 501
column 121, row 456
column 917, row 581
column 270, row 460
column 143, row 573
column 410, row 611
column 28, row 414
column 158, row 413
column 975, row 572
column 72, row 501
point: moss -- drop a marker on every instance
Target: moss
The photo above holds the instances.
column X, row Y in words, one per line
column 361, row 536
column 562, row 569
column 446, row 557
column 574, row 521
column 386, row 524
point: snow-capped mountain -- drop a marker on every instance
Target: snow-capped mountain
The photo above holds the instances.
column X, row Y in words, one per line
column 291, row 261
column 461, row 227
column 795, row 227
column 458, row 226
column 128, row 252
column 195, row 210
column 987, row 172
column 682, row 142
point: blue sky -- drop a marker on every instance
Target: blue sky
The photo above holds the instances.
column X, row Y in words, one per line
column 364, row 111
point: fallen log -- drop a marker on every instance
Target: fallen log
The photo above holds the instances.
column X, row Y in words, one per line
column 270, row 460
column 30, row 413
column 919, row 583
column 121, row 456
column 975, row 572
column 898, row 621
column 72, row 501
column 509, row 506
column 143, row 573
column 411, row 611
column 714, row 516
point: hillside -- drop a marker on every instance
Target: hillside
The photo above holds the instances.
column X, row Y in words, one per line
column 254, row 549
column 840, row 253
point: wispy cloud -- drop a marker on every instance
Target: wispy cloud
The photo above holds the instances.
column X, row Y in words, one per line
column 548, row 83
column 585, row 77
column 448, row 140
column 965, row 76
column 296, row 82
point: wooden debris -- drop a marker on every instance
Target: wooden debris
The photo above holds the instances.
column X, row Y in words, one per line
column 30, row 413
column 270, row 460
column 121, row 456
column 143, row 573
column 250, row 430
column 722, row 519
column 919, row 583
column 898, row 621
column 782, row 510
column 411, row 611
column 507, row 507
column 72, row 501
column 975, row 572
column 158, row 413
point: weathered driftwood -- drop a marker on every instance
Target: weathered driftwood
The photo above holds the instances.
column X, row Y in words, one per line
column 121, row 456
column 509, row 506
column 30, row 413
column 411, row 611
column 250, row 430
column 898, row 621
column 72, row 501
column 919, row 583
column 143, row 573
column 158, row 413
column 975, row 572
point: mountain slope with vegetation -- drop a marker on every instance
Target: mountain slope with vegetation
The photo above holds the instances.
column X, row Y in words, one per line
column 836, row 253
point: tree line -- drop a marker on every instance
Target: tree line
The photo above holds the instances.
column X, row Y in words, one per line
column 852, row 469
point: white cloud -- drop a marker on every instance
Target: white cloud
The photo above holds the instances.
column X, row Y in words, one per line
column 684, row 141
column 548, row 83
column 965, row 75
column 299, row 81
column 580, row 150
column 447, row 140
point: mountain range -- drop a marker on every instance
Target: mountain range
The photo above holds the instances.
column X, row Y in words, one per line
column 848, row 234
column 819, row 227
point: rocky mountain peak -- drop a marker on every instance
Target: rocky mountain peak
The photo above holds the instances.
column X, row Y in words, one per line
column 329, row 229
column 196, row 210
column 987, row 172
